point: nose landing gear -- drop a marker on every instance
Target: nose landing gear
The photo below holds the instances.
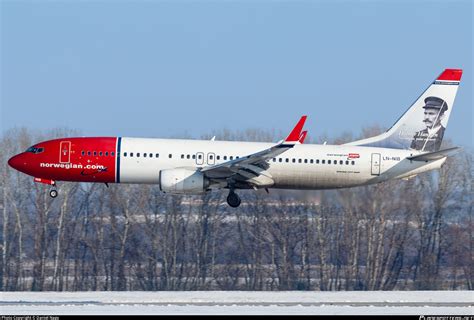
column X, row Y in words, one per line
column 53, row 193
column 233, row 199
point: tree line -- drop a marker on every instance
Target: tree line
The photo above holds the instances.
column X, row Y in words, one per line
column 405, row 235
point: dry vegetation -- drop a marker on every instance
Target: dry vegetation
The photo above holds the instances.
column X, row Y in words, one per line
column 407, row 235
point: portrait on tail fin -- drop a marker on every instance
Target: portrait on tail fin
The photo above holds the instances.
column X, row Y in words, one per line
column 422, row 126
column 430, row 138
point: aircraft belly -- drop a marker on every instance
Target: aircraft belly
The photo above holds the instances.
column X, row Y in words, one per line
column 307, row 179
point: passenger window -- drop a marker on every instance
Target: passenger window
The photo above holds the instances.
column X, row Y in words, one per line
column 144, row 155
column 280, row 159
column 211, row 157
column 310, row 160
column 106, row 153
column 231, row 157
column 335, row 161
column 317, row 161
column 157, row 155
column 218, row 157
column 113, row 154
column 341, row 162
column 131, row 154
column 100, row 153
column 299, row 160
column 225, row 157
column 83, row 153
column 274, row 160
column 182, row 156
column 323, row 161
column 95, row 153
column 138, row 154
column 293, row 160
column 124, row 154
column 353, row 162
column 170, row 156
column 194, row 156
column 347, row 162
column 287, row 160
column 150, row 155
column 199, row 156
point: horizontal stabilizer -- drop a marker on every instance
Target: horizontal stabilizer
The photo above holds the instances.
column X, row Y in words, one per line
column 430, row 156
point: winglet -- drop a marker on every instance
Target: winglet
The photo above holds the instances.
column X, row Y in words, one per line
column 295, row 134
column 303, row 136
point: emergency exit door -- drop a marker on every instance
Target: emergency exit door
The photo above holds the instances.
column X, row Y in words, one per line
column 65, row 152
column 199, row 158
column 211, row 158
column 375, row 164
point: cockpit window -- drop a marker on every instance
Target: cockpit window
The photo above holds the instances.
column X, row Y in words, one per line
column 35, row 150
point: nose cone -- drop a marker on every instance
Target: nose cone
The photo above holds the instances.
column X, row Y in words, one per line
column 17, row 162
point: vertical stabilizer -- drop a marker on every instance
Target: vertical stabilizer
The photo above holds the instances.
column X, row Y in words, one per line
column 422, row 126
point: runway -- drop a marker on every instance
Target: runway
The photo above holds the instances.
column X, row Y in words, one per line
column 240, row 302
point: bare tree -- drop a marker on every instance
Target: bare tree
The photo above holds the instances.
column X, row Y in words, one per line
column 395, row 235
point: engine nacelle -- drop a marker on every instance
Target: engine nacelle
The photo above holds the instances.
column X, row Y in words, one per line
column 182, row 180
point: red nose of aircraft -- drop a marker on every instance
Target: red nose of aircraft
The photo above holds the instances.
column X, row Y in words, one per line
column 17, row 162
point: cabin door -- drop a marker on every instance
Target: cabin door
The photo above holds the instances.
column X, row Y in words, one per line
column 65, row 152
column 375, row 164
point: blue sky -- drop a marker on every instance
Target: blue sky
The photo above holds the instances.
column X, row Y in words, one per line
column 170, row 68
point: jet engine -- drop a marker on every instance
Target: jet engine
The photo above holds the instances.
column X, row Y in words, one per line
column 183, row 180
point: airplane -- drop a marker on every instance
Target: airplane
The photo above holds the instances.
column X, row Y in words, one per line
column 178, row 166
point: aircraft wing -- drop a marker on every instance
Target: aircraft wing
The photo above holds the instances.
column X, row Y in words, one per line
column 253, row 166
column 430, row 156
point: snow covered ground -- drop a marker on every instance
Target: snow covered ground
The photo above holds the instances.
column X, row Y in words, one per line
column 239, row 302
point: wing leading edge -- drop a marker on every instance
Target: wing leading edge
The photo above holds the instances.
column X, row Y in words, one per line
column 251, row 169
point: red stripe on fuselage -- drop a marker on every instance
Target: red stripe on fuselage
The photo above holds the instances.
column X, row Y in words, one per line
column 90, row 160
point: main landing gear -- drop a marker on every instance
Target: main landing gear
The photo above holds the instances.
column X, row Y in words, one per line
column 233, row 199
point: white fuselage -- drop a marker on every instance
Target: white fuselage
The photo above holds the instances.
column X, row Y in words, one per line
column 305, row 166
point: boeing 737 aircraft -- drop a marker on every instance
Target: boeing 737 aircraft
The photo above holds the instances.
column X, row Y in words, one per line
column 409, row 147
